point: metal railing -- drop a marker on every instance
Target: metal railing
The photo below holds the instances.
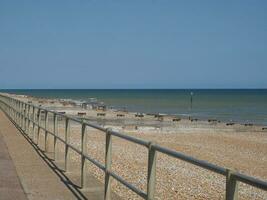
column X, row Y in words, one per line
column 28, row 116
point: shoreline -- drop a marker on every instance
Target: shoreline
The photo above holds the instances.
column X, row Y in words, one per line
column 73, row 108
column 240, row 106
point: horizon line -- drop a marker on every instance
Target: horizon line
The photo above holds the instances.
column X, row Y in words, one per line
column 133, row 89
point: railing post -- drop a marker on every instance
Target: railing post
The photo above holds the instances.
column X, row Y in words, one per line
column 18, row 111
column 83, row 160
column 33, row 124
column 39, row 122
column 55, row 130
column 21, row 115
column 7, row 109
column 151, row 172
column 15, row 109
column 231, row 186
column 46, row 134
column 28, row 121
column 67, row 139
column 108, row 162
column 10, row 108
column 24, row 118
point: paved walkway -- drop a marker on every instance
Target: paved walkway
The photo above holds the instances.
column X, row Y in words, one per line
column 28, row 173
column 10, row 187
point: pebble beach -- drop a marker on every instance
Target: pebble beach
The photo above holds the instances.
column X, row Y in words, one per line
column 242, row 147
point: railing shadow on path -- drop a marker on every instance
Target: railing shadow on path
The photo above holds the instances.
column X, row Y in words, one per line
column 74, row 188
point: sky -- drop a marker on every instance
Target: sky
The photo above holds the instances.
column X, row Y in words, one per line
column 97, row 44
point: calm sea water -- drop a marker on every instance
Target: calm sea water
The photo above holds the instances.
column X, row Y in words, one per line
column 237, row 105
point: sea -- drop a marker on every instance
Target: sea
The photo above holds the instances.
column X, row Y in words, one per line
column 236, row 105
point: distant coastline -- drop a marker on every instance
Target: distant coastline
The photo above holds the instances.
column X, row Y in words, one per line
column 237, row 105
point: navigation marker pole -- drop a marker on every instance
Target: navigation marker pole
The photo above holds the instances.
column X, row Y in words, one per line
column 191, row 100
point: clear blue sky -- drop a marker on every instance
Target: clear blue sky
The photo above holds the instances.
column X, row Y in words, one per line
column 133, row 44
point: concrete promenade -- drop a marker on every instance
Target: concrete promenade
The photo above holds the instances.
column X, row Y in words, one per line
column 10, row 187
column 27, row 173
